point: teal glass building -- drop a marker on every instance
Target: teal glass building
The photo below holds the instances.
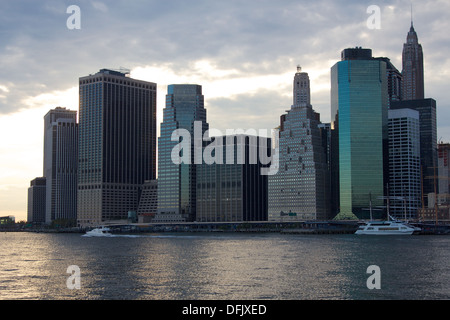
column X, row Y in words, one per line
column 359, row 113
column 177, row 182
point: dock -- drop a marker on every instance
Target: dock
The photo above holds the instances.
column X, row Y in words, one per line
column 294, row 227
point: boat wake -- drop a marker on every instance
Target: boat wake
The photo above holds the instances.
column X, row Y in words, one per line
column 109, row 235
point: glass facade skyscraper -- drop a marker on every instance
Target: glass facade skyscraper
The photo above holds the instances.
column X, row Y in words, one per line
column 177, row 182
column 117, row 145
column 359, row 99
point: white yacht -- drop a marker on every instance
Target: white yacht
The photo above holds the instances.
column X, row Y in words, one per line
column 390, row 227
column 99, row 232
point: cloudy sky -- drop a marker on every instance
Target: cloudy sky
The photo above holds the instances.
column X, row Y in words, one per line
column 243, row 52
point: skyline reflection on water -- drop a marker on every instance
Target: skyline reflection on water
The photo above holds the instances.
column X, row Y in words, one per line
column 213, row 266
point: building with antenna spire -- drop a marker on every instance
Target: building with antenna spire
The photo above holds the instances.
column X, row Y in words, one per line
column 300, row 190
column 413, row 98
column 412, row 72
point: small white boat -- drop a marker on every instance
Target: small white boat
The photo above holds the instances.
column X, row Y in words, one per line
column 99, row 232
column 390, row 227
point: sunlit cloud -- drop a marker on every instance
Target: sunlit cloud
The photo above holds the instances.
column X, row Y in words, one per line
column 67, row 98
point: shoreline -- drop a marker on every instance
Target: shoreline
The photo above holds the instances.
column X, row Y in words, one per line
column 303, row 228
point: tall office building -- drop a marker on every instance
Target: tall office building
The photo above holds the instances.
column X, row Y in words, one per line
column 394, row 81
column 359, row 99
column 233, row 190
column 329, row 144
column 300, row 188
column 404, row 163
column 428, row 141
column 413, row 97
column 36, row 201
column 117, row 144
column 184, row 111
column 443, row 172
column 412, row 72
column 444, row 169
column 60, row 164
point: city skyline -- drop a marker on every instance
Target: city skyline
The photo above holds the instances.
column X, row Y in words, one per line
column 246, row 74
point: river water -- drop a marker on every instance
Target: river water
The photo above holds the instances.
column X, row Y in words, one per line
column 223, row 266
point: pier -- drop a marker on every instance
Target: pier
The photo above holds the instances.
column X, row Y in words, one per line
column 292, row 227
column 298, row 227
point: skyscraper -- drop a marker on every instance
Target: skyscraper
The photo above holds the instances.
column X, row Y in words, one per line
column 394, row 81
column 117, row 144
column 404, row 163
column 233, row 190
column 300, row 189
column 412, row 72
column 428, row 140
column 359, row 99
column 61, row 164
column 413, row 97
column 36, row 201
column 444, row 169
column 177, row 181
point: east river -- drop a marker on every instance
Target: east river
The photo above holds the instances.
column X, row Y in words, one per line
column 223, row 266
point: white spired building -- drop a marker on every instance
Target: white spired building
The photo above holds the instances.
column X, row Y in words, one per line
column 300, row 190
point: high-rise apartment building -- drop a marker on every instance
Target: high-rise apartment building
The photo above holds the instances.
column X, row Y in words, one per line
column 413, row 71
column 300, row 189
column 117, row 144
column 359, row 99
column 404, row 163
column 61, row 164
column 184, row 111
